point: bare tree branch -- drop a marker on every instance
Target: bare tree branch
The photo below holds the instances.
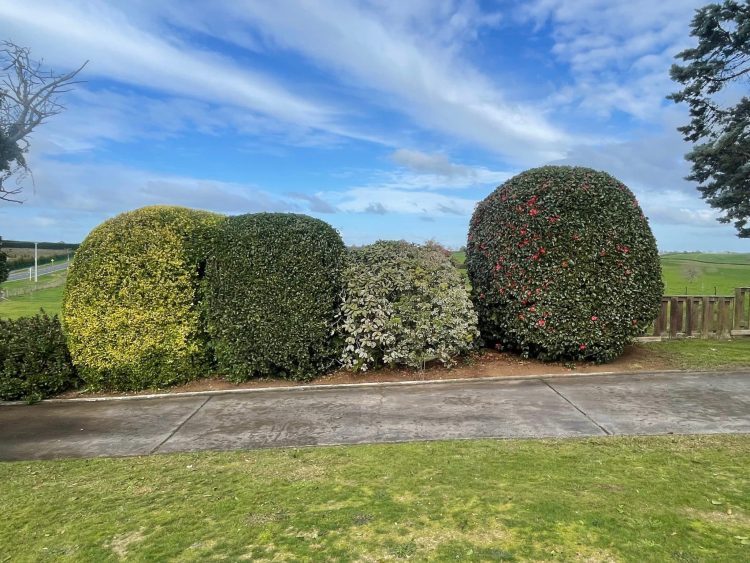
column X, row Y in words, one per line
column 29, row 96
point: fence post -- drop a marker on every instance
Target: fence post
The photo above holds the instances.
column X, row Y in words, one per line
column 706, row 317
column 674, row 317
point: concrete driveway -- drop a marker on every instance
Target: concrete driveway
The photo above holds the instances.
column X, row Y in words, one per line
column 657, row 403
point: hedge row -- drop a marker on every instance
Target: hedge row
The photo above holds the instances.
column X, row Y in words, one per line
column 162, row 295
column 562, row 262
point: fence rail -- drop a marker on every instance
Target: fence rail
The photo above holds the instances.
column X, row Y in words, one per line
column 701, row 316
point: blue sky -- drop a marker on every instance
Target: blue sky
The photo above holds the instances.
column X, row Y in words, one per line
column 387, row 119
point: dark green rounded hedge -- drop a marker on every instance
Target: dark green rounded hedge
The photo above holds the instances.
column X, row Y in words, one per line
column 130, row 309
column 34, row 359
column 273, row 287
column 563, row 265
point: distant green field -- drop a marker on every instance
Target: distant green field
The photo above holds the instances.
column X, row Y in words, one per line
column 695, row 273
column 705, row 274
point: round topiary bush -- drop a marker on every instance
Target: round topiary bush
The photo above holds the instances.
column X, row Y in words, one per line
column 130, row 306
column 563, row 265
column 404, row 304
column 273, row 287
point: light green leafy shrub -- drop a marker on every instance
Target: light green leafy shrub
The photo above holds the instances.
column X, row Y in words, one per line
column 273, row 287
column 130, row 309
column 403, row 304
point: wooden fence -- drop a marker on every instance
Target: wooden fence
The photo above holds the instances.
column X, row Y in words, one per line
column 699, row 316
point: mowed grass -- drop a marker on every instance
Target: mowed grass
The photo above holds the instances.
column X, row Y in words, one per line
column 636, row 499
column 28, row 305
column 49, row 298
column 702, row 354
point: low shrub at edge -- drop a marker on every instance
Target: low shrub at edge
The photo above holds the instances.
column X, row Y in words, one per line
column 34, row 359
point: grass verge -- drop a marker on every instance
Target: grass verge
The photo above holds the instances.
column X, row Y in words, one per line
column 702, row 354
column 638, row 499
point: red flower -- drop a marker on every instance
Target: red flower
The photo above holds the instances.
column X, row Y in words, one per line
column 582, row 347
column 541, row 322
column 534, row 212
column 594, row 318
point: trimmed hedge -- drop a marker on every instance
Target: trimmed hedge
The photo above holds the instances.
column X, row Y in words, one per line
column 563, row 265
column 273, row 287
column 404, row 304
column 130, row 309
column 34, row 360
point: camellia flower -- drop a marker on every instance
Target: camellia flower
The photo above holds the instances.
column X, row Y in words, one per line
column 594, row 318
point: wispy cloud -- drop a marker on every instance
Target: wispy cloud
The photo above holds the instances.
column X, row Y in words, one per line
column 619, row 53
column 386, row 200
column 109, row 189
column 396, row 54
column 148, row 53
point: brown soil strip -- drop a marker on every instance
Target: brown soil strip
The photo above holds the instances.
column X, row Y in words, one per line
column 486, row 363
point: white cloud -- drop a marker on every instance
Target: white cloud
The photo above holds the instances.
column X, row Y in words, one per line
column 619, row 53
column 433, row 171
column 395, row 54
column 388, row 200
column 133, row 49
column 108, row 189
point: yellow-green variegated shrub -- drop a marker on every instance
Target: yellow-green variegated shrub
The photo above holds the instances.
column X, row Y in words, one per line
column 131, row 310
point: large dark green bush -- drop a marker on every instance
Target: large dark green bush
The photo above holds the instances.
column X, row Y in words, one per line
column 34, row 360
column 130, row 310
column 4, row 270
column 404, row 304
column 563, row 265
column 273, row 287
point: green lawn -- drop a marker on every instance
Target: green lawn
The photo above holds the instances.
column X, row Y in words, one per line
column 49, row 298
column 636, row 499
column 28, row 305
column 702, row 354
